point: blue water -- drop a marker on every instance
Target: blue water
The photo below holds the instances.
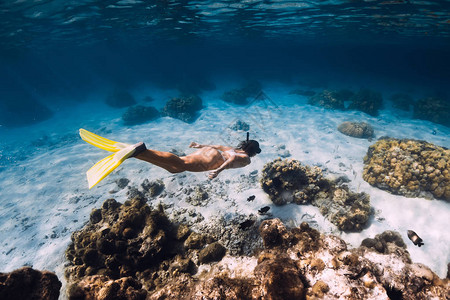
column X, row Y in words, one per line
column 59, row 61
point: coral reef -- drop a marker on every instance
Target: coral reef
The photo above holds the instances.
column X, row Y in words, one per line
column 184, row 108
column 290, row 181
column 139, row 114
column 120, row 99
column 329, row 99
column 360, row 130
column 19, row 108
column 434, row 109
column 159, row 261
column 409, row 167
column 28, row 283
column 402, row 101
column 367, row 101
column 127, row 248
column 240, row 95
column 240, row 125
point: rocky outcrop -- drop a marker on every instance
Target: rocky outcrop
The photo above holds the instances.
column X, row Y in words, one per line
column 409, row 167
column 296, row 263
column 130, row 249
column 119, row 99
column 402, row 101
column 330, row 99
column 184, row 108
column 367, row 101
column 28, row 283
column 360, row 130
column 290, row 181
column 433, row 109
column 139, row 114
column 241, row 95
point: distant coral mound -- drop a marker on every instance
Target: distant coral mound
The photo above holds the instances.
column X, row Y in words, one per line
column 139, row 114
column 402, row 101
column 120, row 99
column 433, row 109
column 184, row 108
column 240, row 125
column 290, row 181
column 360, row 130
column 409, row 167
column 19, row 108
column 241, row 95
column 330, row 99
column 367, row 101
column 28, row 283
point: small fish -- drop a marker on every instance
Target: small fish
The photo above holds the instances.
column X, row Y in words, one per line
column 415, row 238
column 251, row 198
column 433, row 132
column 246, row 224
column 263, row 210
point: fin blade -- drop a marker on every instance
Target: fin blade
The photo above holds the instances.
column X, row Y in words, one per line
column 105, row 166
column 101, row 142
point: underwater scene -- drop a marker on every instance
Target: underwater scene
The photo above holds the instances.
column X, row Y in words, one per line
column 257, row 149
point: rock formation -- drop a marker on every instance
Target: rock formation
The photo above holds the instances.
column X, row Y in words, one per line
column 184, row 108
column 290, row 181
column 139, row 114
column 28, row 283
column 297, row 263
column 360, row 130
column 409, row 167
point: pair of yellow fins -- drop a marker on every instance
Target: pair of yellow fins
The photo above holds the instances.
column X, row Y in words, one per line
column 105, row 166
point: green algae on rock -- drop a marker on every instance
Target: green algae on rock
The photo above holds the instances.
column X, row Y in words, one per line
column 409, row 167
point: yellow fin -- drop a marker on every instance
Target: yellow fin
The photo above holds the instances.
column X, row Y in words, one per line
column 101, row 142
column 105, row 166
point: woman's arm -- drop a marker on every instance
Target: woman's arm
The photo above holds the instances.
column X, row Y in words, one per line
column 218, row 147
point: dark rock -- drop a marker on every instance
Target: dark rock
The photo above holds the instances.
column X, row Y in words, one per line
column 240, row 96
column 184, row 108
column 402, row 101
column 96, row 216
column 290, row 181
column 19, row 108
column 280, row 279
column 139, row 114
column 329, row 99
column 433, row 109
column 240, row 125
column 211, row 253
column 27, row 283
column 367, row 101
column 152, row 188
column 122, row 183
column 120, row 99
column 274, row 233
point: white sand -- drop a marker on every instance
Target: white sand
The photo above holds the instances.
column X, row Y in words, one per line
column 45, row 197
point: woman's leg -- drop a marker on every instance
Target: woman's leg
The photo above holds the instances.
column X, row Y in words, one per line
column 165, row 160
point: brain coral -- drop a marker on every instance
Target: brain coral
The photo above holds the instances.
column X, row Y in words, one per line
column 356, row 129
column 409, row 167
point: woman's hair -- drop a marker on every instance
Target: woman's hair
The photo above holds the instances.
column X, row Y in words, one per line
column 251, row 147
